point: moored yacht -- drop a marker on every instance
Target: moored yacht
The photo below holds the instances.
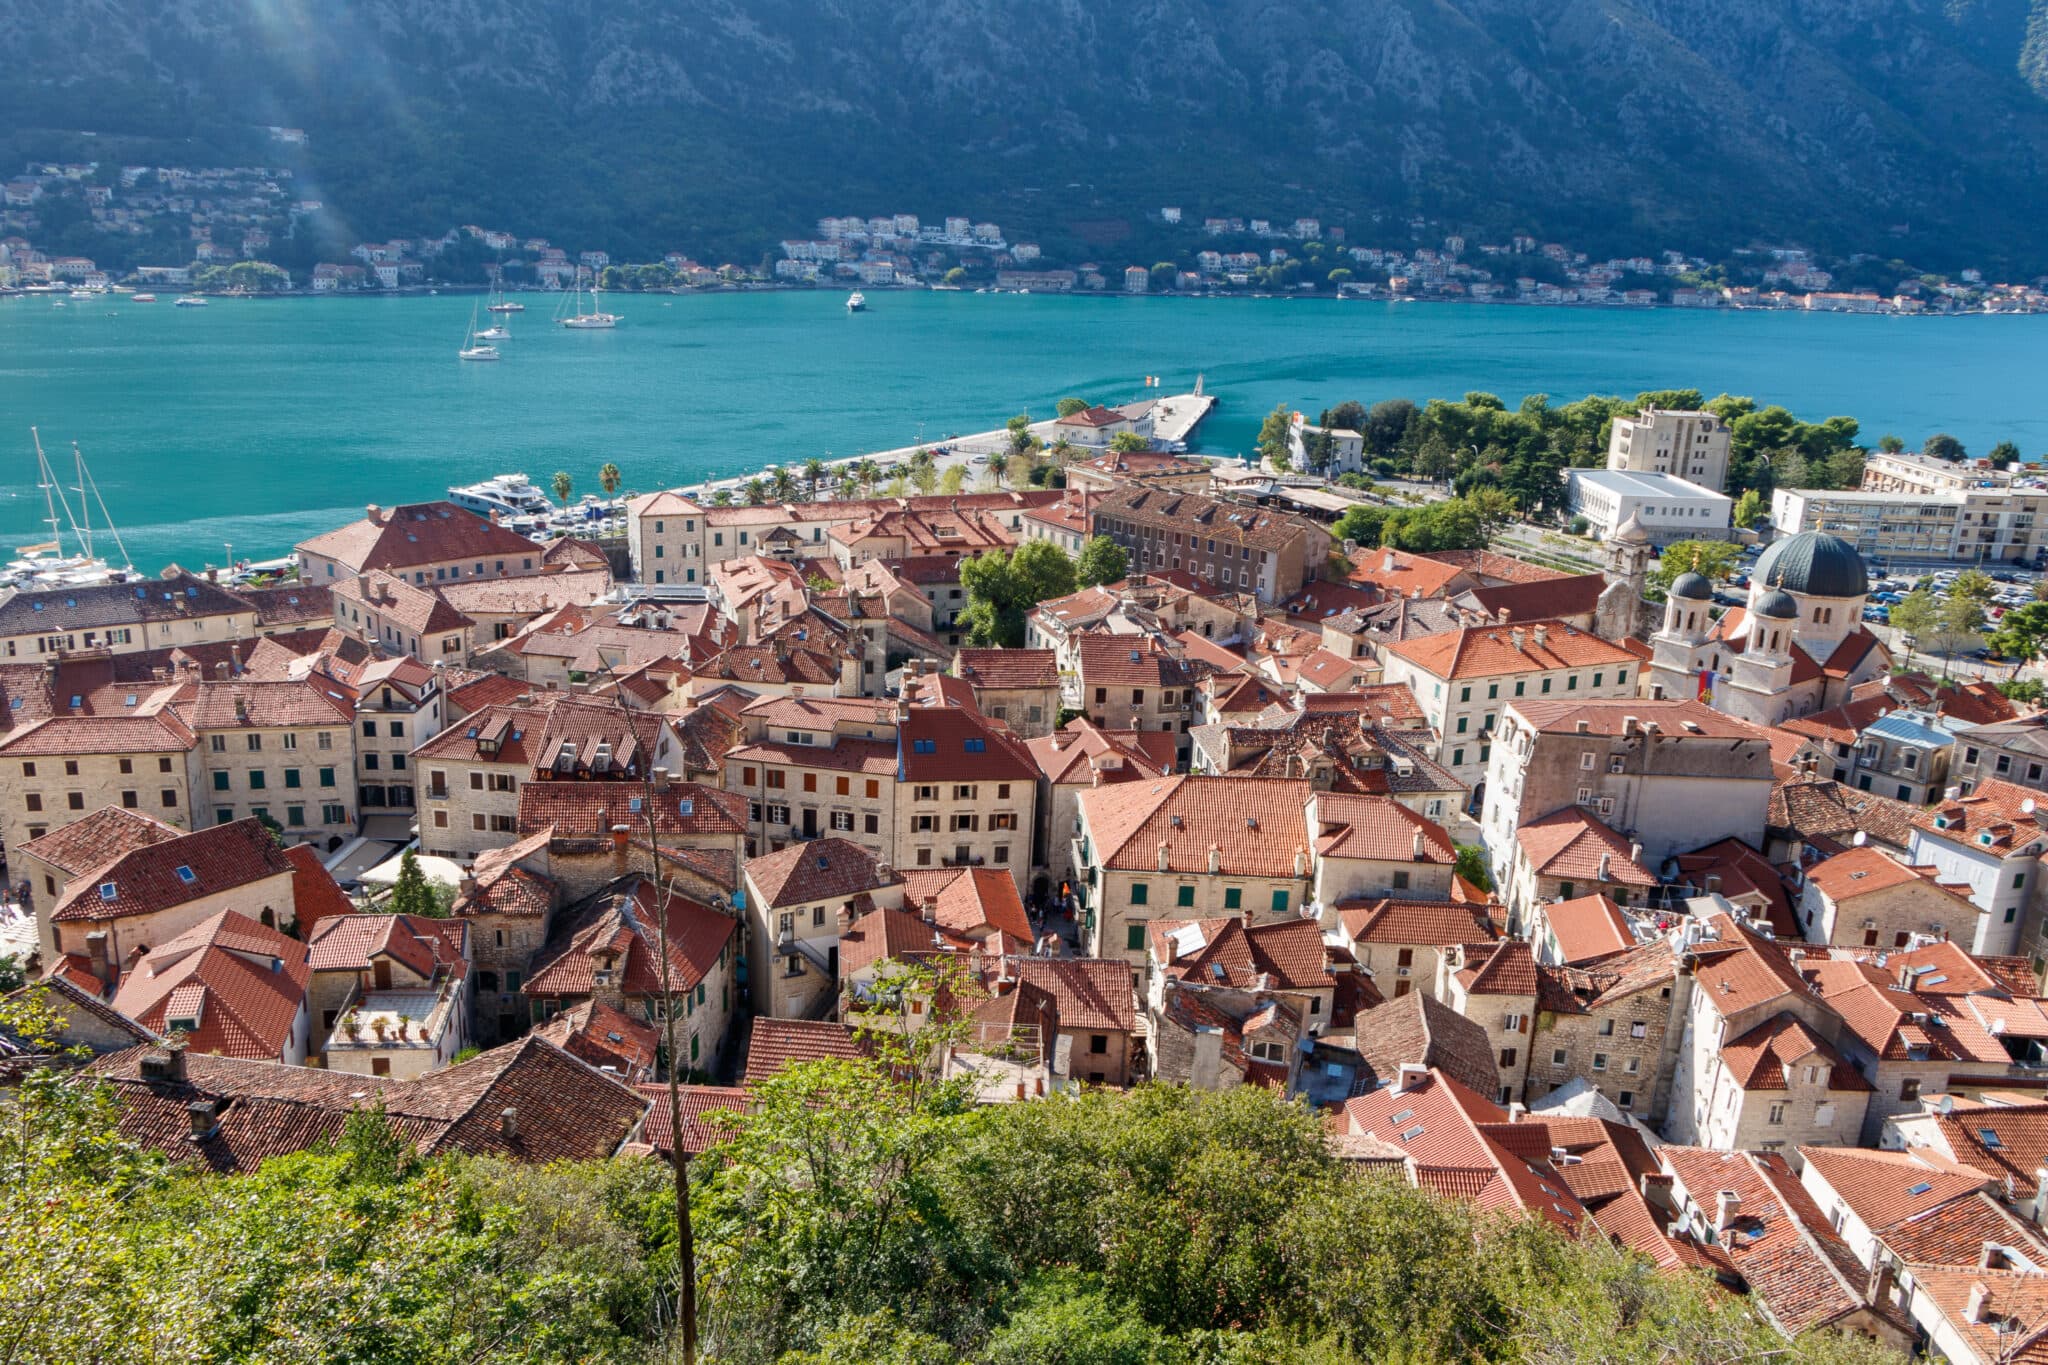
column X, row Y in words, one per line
column 856, row 302
column 191, row 301
column 509, row 495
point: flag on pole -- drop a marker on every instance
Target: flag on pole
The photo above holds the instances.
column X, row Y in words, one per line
column 1707, row 685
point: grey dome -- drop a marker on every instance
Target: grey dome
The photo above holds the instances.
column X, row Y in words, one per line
column 1814, row 564
column 1693, row 585
column 1779, row 604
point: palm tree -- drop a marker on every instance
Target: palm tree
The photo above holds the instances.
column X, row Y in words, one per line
column 1061, row 451
column 997, row 463
column 722, row 498
column 563, row 485
column 849, row 485
column 814, row 474
column 608, row 479
column 868, row 474
column 755, row 492
column 784, row 484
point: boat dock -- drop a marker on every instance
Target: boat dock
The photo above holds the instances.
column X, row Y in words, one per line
column 1174, row 419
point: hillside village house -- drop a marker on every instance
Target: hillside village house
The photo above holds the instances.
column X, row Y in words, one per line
column 1224, row 545
column 422, row 543
column 1863, row 898
column 124, row 618
column 389, row 993
column 230, row 986
column 800, row 901
column 1992, row 841
column 60, row 768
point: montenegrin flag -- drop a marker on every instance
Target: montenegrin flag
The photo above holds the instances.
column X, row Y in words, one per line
column 1707, row 685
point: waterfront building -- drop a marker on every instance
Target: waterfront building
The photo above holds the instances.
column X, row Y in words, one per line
column 1220, row 544
column 1995, row 520
column 422, row 542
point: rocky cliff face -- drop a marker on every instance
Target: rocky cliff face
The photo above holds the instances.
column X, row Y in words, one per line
column 1697, row 123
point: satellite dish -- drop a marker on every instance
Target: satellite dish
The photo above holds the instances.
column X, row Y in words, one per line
column 2027, row 806
column 1861, row 838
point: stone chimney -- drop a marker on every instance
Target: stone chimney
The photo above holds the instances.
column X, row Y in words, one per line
column 1542, row 636
column 1411, row 1075
column 928, row 910
column 165, row 1064
column 1519, row 637
column 203, row 1119
column 1215, row 858
column 508, row 1123
column 1881, row 1284
column 1420, row 851
column 1301, row 860
column 1606, row 861
column 663, row 779
column 1727, row 1208
column 1978, row 1308
column 1164, row 850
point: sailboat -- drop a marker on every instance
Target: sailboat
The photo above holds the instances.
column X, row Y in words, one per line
column 500, row 304
column 593, row 320
column 474, row 349
column 46, row 565
column 497, row 331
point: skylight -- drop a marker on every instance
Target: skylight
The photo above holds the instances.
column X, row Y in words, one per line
column 1412, row 1133
column 1989, row 1137
column 108, row 891
column 1921, row 1188
column 187, row 875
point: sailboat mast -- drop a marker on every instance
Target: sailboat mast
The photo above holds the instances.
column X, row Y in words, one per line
column 48, row 483
column 84, row 511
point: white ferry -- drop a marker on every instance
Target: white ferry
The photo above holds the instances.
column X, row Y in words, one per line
column 509, row 495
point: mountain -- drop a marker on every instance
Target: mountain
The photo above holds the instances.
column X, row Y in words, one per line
column 1912, row 128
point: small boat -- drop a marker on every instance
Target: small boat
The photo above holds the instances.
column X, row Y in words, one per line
column 500, row 304
column 81, row 293
column 56, row 303
column 856, row 302
column 191, row 301
column 495, row 333
column 594, row 319
column 143, row 298
column 508, row 495
column 473, row 349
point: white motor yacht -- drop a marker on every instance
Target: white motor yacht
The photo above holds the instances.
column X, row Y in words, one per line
column 509, row 495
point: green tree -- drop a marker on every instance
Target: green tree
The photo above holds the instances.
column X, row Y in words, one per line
column 608, row 479
column 12, row 975
column 953, row 480
column 998, row 462
column 1917, row 618
column 722, row 498
column 563, row 486
column 412, row 893
column 1362, row 522
column 814, row 474
column 754, row 492
column 1890, row 444
column 1019, row 429
column 955, row 276
column 1942, row 446
column 782, row 483
column 1714, row 558
column 1003, row 585
column 1471, row 865
column 1749, row 508
column 1272, row 443
column 1067, row 407
column 1974, row 584
column 1129, row 443
column 2005, row 453
column 924, row 477
column 1957, row 623
column 1102, row 560
column 2022, row 635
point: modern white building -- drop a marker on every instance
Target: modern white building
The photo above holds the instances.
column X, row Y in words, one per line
column 1670, row 508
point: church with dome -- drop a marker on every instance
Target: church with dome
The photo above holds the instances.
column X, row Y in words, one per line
column 1797, row 646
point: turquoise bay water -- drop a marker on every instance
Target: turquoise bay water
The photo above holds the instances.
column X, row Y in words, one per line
column 259, row 422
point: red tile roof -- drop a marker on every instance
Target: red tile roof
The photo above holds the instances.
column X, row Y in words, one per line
column 1257, row 826
column 2003, row 812
column 218, row 977
column 1573, row 845
column 1287, row 956
column 776, row 1044
column 420, row 533
column 1378, row 829
column 1400, row 574
column 1002, row 668
column 315, row 894
column 1435, row 924
column 158, row 876
column 104, row 836
column 352, row 943
column 619, row 930
column 589, row 810
column 1070, row 754
column 163, row 733
column 1490, row 651
column 969, row 900
column 702, row 1105
column 606, row 1038
column 1092, row 994
column 823, row 869
column 1760, row 1058
column 947, row 744
column 1588, row 929
column 1884, row 1188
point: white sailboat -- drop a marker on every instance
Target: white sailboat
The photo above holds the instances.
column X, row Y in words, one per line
column 500, row 304
column 46, row 565
column 593, row 320
column 497, row 331
column 472, row 347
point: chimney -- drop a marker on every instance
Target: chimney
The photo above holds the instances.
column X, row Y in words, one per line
column 1635, row 851
column 885, row 875
column 1542, row 636
column 203, row 1119
column 100, row 955
column 662, row 779
column 1881, row 1284
column 620, row 833
column 1979, row 1306
column 1387, row 562
column 1419, row 851
column 2041, row 1196
column 928, row 910
column 508, row 1123
column 1215, row 858
column 1301, row 860
column 165, row 1065
column 1519, row 637
column 1411, row 1075
column 1205, row 1069
column 374, row 514
column 1727, row 1208
column 1057, row 741
column 1163, row 861
column 1606, row 861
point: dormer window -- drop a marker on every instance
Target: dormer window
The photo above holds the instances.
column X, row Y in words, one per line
column 108, row 891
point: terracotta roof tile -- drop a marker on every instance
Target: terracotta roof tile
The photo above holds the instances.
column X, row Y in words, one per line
column 1090, row 993
column 1884, row 1188
column 822, row 869
column 1228, row 952
column 105, row 836
column 238, row 985
column 1573, row 845
column 1489, row 651
column 969, row 900
column 1379, row 829
column 1257, row 825
column 779, row 1043
column 701, row 1104
column 158, row 876
column 1005, row 668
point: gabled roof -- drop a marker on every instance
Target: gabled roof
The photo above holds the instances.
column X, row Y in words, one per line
column 1761, row 1058
column 1998, row 819
column 1412, row 922
column 1588, row 929
column 231, row 985
column 1068, row 755
column 1739, row 970
column 418, row 533
column 955, row 744
column 590, row 810
column 969, row 900
column 1091, row 994
column 1378, row 829
column 1884, row 1188
column 1418, row 1030
column 1574, row 845
column 352, row 943
column 606, row 1038
column 779, row 1043
column 1798, row 1267
column 157, row 876
column 1503, row 968
column 618, row 931
column 315, row 894
column 1008, row 668
column 1508, row 603
column 1396, row 573
column 701, row 1104
column 1230, row 953
column 105, row 836
column 2008, row 1140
